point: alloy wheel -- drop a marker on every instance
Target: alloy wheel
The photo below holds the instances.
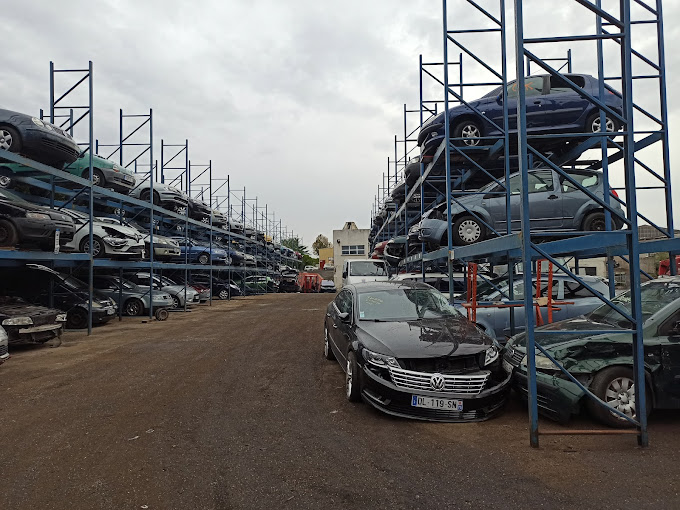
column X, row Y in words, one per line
column 224, row 294
column 469, row 231
column 5, row 139
column 175, row 302
column 96, row 247
column 5, row 181
column 348, row 379
column 470, row 131
column 596, row 126
column 620, row 394
column 132, row 309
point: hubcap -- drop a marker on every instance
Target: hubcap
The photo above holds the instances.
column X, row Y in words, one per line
column 596, row 126
column 5, row 140
column 203, row 259
column 5, row 181
column 133, row 309
column 349, row 378
column 469, row 231
column 175, row 302
column 224, row 294
column 620, row 395
column 96, row 180
column 470, row 131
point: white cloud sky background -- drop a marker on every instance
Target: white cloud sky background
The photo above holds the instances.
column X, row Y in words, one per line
column 298, row 101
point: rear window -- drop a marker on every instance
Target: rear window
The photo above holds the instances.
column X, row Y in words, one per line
column 573, row 289
column 587, row 180
column 367, row 268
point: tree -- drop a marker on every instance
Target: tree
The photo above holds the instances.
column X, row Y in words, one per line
column 321, row 242
column 294, row 244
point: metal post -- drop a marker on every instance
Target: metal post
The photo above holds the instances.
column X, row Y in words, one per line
column 447, row 152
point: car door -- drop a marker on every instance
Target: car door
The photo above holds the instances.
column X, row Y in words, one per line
column 573, row 198
column 562, row 106
column 333, row 325
column 667, row 379
column 344, row 331
column 534, row 96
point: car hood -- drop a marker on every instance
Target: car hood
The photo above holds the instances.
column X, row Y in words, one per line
column 121, row 229
column 13, row 307
column 424, row 338
column 573, row 326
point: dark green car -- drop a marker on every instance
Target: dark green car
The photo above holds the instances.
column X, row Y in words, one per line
column 603, row 363
column 107, row 174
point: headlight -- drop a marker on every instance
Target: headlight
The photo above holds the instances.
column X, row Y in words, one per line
column 96, row 305
column 61, row 317
column 18, row 321
column 491, row 355
column 542, row 363
column 37, row 216
column 380, row 360
column 38, row 122
column 115, row 241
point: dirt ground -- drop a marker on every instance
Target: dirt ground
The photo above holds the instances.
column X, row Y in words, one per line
column 234, row 407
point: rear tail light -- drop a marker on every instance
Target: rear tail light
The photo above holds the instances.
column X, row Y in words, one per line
column 615, row 193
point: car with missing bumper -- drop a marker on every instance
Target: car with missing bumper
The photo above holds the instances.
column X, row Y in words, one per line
column 408, row 353
column 29, row 324
column 109, row 240
column 165, row 196
column 603, row 362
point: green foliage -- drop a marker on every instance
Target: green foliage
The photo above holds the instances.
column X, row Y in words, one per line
column 309, row 261
column 320, row 242
column 294, row 244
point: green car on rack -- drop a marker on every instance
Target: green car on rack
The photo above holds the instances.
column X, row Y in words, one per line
column 107, row 174
column 603, row 362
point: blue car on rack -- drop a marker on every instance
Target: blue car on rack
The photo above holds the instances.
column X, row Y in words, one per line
column 552, row 106
column 194, row 251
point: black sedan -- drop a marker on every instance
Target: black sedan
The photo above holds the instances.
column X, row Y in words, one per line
column 408, row 353
column 36, row 139
column 22, row 222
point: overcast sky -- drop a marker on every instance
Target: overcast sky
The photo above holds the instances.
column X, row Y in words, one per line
column 298, row 100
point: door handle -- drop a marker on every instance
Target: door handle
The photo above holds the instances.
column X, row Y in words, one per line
column 538, row 101
column 335, row 327
column 553, row 197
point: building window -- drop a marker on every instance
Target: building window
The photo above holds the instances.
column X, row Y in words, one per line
column 353, row 249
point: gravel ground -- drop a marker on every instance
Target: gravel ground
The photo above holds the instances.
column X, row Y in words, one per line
column 234, row 407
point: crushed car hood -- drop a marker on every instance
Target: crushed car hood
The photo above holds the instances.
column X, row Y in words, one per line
column 570, row 326
column 425, row 338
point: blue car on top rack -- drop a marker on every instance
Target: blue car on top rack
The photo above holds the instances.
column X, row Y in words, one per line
column 552, row 106
column 201, row 253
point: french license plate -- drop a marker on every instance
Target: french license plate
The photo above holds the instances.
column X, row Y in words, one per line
column 436, row 403
column 507, row 366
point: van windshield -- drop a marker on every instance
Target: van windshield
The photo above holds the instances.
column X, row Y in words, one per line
column 367, row 268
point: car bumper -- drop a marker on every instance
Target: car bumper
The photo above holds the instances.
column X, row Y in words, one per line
column 390, row 399
column 426, row 132
column 130, row 249
column 118, row 181
column 164, row 251
column 103, row 314
column 33, row 334
column 557, row 398
column 170, row 200
column 48, row 147
column 162, row 303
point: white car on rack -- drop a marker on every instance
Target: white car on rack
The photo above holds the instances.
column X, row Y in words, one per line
column 108, row 240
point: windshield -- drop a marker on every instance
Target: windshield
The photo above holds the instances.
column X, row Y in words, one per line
column 167, row 281
column 367, row 268
column 11, row 196
column 404, row 304
column 655, row 295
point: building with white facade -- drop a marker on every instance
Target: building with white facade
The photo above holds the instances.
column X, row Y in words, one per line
column 349, row 243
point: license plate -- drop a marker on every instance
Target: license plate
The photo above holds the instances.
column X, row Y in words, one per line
column 436, row 403
column 507, row 366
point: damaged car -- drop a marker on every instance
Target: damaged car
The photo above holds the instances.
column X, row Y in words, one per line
column 25, row 323
column 408, row 353
column 603, row 362
column 108, row 240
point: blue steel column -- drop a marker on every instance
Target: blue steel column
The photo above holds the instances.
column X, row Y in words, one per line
column 151, row 210
column 447, row 152
column 422, row 165
column 91, row 234
column 526, row 227
column 633, row 237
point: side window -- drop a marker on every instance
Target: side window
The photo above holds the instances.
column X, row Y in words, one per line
column 666, row 327
column 344, row 302
column 515, row 184
column 541, row 181
column 574, row 289
column 544, row 287
column 559, row 86
column 533, row 86
column 586, row 180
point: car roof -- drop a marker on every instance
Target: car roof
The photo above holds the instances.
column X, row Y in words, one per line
column 360, row 288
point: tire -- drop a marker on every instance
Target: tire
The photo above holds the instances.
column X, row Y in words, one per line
column 467, row 129
column 98, row 250
column 98, row 179
column 144, row 196
column 175, row 302
column 133, row 307
column 327, row 351
column 615, row 385
column 180, row 210
column 594, row 222
column 76, row 318
column 593, row 123
column 352, row 379
column 6, row 178
column 467, row 230
column 161, row 314
column 10, row 139
column 224, row 294
column 9, row 237
column 204, row 259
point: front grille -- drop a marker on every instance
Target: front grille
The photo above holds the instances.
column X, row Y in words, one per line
column 514, row 357
column 60, row 147
column 3, row 350
column 458, row 365
column 455, row 384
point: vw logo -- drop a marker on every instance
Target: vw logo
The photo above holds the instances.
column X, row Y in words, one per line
column 437, row 382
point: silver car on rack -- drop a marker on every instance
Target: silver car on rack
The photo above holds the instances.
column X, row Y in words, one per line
column 130, row 297
column 177, row 293
column 163, row 195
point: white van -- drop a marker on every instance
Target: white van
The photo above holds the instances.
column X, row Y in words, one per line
column 364, row 270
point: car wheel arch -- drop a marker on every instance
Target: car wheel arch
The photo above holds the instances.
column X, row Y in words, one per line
column 466, row 116
column 628, row 364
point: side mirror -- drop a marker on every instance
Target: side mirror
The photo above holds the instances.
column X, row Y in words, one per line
column 344, row 316
column 344, row 274
column 499, row 98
